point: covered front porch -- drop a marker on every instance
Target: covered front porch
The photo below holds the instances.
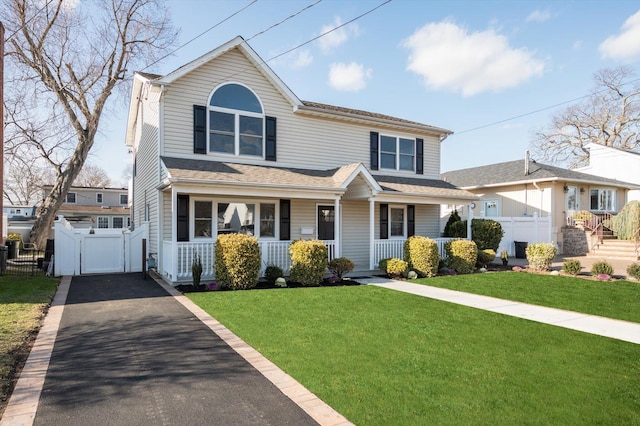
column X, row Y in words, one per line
column 178, row 257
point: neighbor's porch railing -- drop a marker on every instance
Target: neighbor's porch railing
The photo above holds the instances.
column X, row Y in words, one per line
column 273, row 253
column 385, row 249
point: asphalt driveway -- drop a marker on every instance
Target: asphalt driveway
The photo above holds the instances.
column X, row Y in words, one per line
column 128, row 353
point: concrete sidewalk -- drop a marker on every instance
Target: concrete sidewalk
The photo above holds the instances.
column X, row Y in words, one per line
column 607, row 327
column 131, row 351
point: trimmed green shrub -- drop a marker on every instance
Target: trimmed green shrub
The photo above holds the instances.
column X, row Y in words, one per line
column 633, row 270
column 485, row 257
column 540, row 256
column 421, row 254
column 572, row 266
column 237, row 261
column 453, row 218
column 340, row 266
column 396, row 267
column 627, row 222
column 196, row 271
column 461, row 255
column 272, row 273
column 308, row 261
column 601, row 267
column 382, row 264
column 486, row 233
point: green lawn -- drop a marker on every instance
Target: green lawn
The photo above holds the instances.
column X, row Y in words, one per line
column 385, row 357
column 612, row 299
column 23, row 300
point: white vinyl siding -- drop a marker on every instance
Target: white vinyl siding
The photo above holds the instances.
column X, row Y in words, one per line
column 302, row 141
column 427, row 220
column 355, row 232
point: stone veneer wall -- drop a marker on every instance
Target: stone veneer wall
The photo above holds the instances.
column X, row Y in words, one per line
column 575, row 241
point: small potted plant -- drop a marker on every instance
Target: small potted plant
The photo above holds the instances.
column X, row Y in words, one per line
column 581, row 217
column 504, row 255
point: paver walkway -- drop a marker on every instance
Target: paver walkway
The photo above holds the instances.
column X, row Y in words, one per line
column 127, row 352
column 616, row 329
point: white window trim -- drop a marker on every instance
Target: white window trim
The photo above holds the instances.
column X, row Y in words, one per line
column 99, row 194
column 614, row 201
column 98, row 222
column 120, row 199
column 566, row 198
column 113, row 222
column 214, row 219
column 75, row 195
column 403, row 207
column 397, row 153
column 236, row 113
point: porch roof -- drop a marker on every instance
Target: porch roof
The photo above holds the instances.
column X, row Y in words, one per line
column 204, row 172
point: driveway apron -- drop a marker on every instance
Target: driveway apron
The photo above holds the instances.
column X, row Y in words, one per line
column 129, row 353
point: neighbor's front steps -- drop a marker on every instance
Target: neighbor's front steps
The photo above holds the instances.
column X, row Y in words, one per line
column 615, row 249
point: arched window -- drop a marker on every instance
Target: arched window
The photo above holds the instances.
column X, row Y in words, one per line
column 236, row 121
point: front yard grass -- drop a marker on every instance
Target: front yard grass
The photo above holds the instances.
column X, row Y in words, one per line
column 23, row 303
column 383, row 357
column 611, row 299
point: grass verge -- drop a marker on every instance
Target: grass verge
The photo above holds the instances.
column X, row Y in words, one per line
column 611, row 299
column 385, row 357
column 23, row 304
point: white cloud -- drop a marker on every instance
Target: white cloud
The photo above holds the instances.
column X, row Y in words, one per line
column 448, row 57
column 335, row 38
column 302, row 59
column 625, row 45
column 538, row 16
column 349, row 77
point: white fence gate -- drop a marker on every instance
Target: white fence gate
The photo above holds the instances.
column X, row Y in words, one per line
column 82, row 251
column 526, row 229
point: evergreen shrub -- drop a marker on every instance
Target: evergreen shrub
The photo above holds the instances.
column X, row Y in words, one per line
column 237, row 261
column 540, row 256
column 308, row 261
column 422, row 255
column 601, row 267
column 461, row 255
column 340, row 266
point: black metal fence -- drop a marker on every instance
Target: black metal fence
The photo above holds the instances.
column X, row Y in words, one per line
column 15, row 260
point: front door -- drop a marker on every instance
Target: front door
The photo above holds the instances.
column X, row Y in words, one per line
column 326, row 222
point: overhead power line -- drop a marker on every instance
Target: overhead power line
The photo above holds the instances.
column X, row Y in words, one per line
column 284, row 20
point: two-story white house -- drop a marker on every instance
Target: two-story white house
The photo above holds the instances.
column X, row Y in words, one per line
column 222, row 145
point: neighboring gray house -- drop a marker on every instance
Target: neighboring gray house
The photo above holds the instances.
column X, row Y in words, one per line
column 222, row 145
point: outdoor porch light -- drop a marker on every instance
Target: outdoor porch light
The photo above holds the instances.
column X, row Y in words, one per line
column 582, row 190
column 565, row 188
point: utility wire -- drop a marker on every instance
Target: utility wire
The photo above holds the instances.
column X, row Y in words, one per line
column 284, row 20
column 201, row 34
column 46, row 4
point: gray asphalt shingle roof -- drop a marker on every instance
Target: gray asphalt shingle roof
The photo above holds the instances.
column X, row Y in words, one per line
column 514, row 171
column 232, row 173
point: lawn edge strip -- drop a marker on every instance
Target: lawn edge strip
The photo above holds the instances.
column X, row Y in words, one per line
column 23, row 403
column 316, row 408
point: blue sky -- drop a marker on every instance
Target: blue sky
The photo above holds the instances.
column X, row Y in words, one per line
column 461, row 65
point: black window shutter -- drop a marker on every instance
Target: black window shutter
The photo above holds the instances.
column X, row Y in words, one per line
column 183, row 217
column 384, row 221
column 199, row 129
column 270, row 139
column 373, row 143
column 419, row 156
column 411, row 220
column 285, row 220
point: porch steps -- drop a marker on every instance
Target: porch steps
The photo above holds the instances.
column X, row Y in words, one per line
column 615, row 249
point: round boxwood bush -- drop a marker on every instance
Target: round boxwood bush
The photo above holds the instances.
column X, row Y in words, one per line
column 272, row 273
column 421, row 254
column 601, row 267
column 485, row 257
column 461, row 255
column 540, row 256
column 572, row 266
column 396, row 267
column 633, row 271
column 340, row 266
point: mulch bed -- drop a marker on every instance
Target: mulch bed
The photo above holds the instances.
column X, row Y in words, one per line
column 264, row 285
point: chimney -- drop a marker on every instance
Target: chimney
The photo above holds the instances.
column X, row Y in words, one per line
column 526, row 163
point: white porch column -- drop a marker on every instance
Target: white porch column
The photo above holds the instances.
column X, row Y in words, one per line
column 337, row 224
column 371, row 234
column 470, row 218
column 173, row 268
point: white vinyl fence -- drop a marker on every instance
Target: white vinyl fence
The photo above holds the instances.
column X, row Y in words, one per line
column 84, row 251
column 523, row 229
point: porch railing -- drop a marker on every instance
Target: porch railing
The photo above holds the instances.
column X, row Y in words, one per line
column 273, row 253
column 385, row 249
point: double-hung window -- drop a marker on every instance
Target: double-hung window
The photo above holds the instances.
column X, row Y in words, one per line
column 257, row 219
column 396, row 222
column 70, row 198
column 397, row 153
column 236, row 121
